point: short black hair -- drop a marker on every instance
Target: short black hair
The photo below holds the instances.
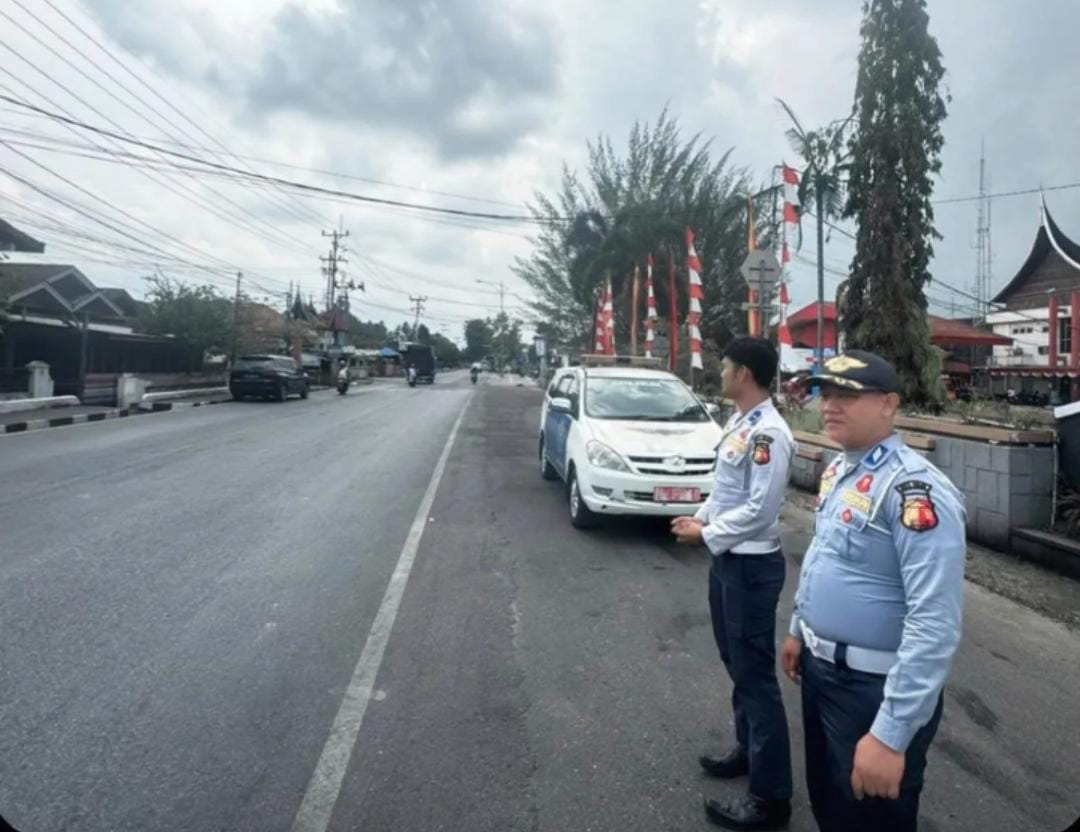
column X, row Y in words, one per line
column 756, row 354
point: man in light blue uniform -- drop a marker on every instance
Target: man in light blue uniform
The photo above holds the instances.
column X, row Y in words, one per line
column 740, row 525
column 878, row 609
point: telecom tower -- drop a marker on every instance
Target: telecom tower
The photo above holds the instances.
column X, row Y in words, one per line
column 984, row 260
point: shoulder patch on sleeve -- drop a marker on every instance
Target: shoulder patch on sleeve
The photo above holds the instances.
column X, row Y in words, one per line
column 917, row 511
column 762, row 451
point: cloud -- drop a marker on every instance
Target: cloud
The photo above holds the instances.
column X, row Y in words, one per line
column 469, row 77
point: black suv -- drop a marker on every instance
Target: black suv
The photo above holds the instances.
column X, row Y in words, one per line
column 267, row 376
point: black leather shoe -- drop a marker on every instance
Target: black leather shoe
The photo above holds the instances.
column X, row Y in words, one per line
column 733, row 764
column 749, row 812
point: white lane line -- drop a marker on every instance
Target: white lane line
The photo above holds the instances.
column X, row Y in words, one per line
column 324, row 787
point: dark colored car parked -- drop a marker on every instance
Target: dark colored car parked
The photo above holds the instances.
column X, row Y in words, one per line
column 267, row 376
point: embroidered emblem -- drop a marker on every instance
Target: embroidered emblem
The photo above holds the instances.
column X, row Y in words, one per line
column 762, row 454
column 754, row 417
column 918, row 512
column 828, row 477
column 842, row 363
column 846, row 516
column 864, row 483
column 876, row 456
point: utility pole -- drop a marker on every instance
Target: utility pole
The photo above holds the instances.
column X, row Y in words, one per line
column 333, row 261
column 501, row 286
column 419, row 302
column 235, row 319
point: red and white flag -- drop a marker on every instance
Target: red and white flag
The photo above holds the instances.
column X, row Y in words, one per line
column 609, row 320
column 791, row 210
column 598, row 324
column 650, row 308
column 697, row 295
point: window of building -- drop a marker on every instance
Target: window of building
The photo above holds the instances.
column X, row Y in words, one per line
column 1044, row 350
column 1064, row 336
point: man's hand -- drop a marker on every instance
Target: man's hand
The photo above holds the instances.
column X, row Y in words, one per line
column 791, row 658
column 687, row 530
column 877, row 771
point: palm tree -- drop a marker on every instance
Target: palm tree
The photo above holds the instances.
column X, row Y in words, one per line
column 821, row 182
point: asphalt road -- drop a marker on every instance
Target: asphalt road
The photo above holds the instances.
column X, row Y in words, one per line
column 185, row 599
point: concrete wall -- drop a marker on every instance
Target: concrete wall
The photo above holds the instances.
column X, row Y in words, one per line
column 1006, row 486
column 806, row 473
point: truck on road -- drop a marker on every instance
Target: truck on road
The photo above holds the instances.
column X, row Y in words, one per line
column 421, row 357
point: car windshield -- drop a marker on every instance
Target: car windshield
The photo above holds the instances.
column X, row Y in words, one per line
column 248, row 362
column 642, row 399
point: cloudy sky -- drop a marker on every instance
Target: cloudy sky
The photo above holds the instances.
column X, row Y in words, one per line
column 473, row 104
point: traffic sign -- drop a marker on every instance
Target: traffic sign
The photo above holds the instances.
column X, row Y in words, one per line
column 761, row 269
column 769, row 309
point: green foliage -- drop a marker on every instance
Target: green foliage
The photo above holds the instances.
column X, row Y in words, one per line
column 506, row 346
column 367, row 335
column 626, row 207
column 896, row 152
column 198, row 316
column 478, row 337
column 446, row 351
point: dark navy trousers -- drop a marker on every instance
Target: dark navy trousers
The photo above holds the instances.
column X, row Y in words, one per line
column 839, row 706
column 743, row 593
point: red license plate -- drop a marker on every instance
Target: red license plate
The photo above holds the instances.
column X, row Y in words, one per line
column 665, row 494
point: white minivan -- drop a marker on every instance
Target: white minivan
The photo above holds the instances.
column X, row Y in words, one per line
column 627, row 440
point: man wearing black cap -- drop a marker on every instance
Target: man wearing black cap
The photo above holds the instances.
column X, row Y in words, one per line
column 878, row 609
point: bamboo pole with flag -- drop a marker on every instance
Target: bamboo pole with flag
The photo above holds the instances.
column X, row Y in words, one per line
column 673, row 312
column 609, row 320
column 753, row 322
column 598, row 323
column 634, row 292
column 697, row 295
column 650, row 308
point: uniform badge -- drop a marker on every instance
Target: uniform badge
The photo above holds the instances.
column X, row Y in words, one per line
column 864, row 483
column 917, row 512
column 762, row 454
column 876, row 456
column 827, row 482
column 843, row 363
column 846, row 515
column 744, row 433
column 856, row 500
column 754, row 417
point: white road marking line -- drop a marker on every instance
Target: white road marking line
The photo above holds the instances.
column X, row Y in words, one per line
column 324, row 787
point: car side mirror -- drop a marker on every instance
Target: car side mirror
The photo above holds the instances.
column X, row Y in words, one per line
column 561, row 405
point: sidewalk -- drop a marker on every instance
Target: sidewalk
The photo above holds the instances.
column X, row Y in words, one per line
column 54, row 417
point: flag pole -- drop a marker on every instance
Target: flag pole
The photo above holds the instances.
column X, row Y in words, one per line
column 634, row 311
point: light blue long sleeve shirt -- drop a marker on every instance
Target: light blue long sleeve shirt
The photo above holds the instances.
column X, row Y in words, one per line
column 885, row 571
column 753, row 461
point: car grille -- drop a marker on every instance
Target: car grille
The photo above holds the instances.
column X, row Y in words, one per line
column 694, row 466
column 647, row 497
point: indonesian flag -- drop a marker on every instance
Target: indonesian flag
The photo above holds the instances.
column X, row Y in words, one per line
column 598, row 324
column 609, row 320
column 650, row 308
column 697, row 295
column 791, row 210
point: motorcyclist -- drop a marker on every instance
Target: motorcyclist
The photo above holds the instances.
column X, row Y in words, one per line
column 474, row 372
column 411, row 374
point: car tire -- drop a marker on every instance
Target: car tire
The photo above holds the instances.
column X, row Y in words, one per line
column 547, row 470
column 581, row 516
column 304, row 392
column 282, row 392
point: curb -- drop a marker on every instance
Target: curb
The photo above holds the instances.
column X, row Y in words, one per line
column 63, row 421
column 164, row 407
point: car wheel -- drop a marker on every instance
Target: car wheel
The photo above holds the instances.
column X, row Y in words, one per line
column 304, row 392
column 581, row 516
column 547, row 470
column 282, row 392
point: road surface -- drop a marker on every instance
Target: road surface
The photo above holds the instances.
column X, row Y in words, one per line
column 197, row 607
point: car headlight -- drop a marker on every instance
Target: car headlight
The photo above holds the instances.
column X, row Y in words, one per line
column 602, row 456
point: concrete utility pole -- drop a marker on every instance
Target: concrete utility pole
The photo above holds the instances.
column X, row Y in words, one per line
column 235, row 319
column 332, row 261
column 501, row 286
column 419, row 302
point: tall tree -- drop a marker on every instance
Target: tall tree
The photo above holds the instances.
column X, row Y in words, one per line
column 625, row 207
column 506, row 346
column 478, row 337
column 896, row 152
column 821, row 184
column 198, row 316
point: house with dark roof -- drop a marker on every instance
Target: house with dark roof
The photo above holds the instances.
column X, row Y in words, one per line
column 1042, row 315
column 54, row 313
column 12, row 239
